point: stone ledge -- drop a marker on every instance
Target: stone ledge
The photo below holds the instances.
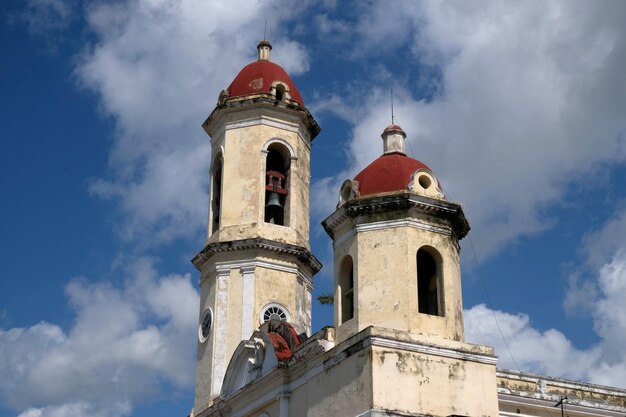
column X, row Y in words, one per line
column 302, row 254
column 397, row 203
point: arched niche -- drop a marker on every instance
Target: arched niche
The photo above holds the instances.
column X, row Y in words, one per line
column 345, row 290
column 429, row 281
column 278, row 157
column 217, row 172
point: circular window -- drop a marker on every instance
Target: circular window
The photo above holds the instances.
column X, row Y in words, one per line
column 204, row 329
column 346, row 190
column 274, row 312
column 424, row 181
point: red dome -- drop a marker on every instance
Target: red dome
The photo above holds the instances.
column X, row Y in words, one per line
column 393, row 128
column 258, row 77
column 390, row 172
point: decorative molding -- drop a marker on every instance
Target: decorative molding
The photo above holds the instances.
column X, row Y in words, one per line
column 301, row 254
column 292, row 153
column 544, row 397
column 432, row 350
column 349, row 191
column 343, row 238
column 415, row 223
column 267, row 102
column 220, row 361
column 220, row 267
column 247, row 301
column 564, row 383
column 380, row 412
column 574, row 405
column 218, row 137
column 262, row 120
column 284, row 309
column 218, row 153
column 449, row 215
column 392, row 224
column 305, row 281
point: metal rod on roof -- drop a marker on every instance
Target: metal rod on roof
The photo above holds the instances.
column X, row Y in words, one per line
column 561, row 401
column 392, row 105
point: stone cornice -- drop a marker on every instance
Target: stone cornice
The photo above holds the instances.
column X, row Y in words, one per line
column 565, row 384
column 577, row 406
column 445, row 352
column 451, row 213
column 301, row 254
column 252, row 264
column 264, row 100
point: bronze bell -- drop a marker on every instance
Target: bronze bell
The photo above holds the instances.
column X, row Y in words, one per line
column 273, row 209
column 274, row 200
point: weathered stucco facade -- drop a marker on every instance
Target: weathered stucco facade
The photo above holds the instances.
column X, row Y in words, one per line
column 252, row 265
column 522, row 394
column 374, row 372
column 382, row 235
column 241, row 135
column 397, row 347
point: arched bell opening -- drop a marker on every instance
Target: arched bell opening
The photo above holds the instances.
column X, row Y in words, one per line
column 277, row 179
column 216, row 192
column 429, row 282
column 280, row 92
column 345, row 290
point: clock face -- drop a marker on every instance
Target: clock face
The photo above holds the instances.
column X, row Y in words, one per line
column 205, row 325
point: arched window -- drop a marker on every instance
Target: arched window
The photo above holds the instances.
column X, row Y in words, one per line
column 346, row 289
column 429, row 285
column 274, row 311
column 216, row 193
column 280, row 92
column 277, row 185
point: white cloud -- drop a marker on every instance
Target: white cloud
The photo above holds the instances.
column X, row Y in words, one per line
column 601, row 251
column 550, row 352
column 600, row 246
column 610, row 312
column 529, row 97
column 46, row 18
column 157, row 67
column 123, row 345
column 80, row 409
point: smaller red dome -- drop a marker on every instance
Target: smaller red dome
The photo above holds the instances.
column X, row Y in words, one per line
column 393, row 128
column 390, row 172
column 258, row 77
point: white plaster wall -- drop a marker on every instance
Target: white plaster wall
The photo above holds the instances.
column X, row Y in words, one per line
column 385, row 270
column 245, row 135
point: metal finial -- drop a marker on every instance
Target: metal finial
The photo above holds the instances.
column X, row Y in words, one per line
column 391, row 105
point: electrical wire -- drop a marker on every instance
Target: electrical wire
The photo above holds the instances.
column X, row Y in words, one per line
column 406, row 141
column 489, row 305
column 484, row 287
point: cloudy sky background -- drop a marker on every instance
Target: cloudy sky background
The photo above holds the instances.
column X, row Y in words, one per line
column 518, row 107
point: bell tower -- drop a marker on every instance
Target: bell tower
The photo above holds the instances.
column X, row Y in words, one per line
column 397, row 275
column 396, row 241
column 256, row 264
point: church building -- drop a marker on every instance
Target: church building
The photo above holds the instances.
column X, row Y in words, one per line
column 397, row 346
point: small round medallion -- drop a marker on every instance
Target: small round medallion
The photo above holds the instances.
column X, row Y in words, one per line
column 206, row 322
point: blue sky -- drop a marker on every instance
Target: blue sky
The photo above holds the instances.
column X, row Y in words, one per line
column 518, row 107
